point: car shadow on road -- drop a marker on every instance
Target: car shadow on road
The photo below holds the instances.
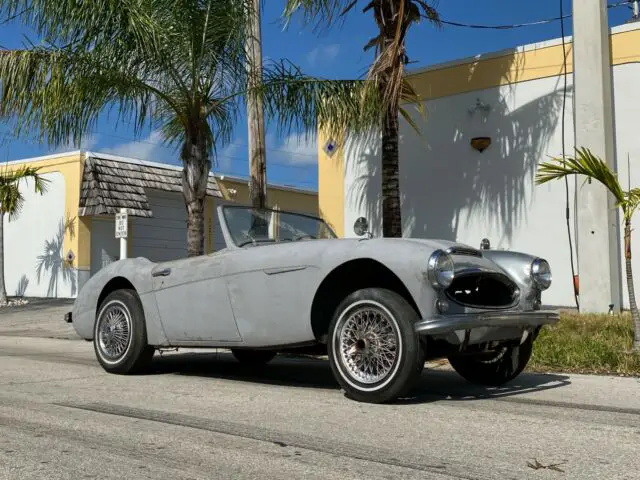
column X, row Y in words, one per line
column 447, row 385
column 311, row 372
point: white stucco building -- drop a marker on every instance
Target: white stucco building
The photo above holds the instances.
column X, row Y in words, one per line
column 451, row 190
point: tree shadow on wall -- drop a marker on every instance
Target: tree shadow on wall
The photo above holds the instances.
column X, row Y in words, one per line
column 53, row 262
column 444, row 182
column 23, row 284
column 363, row 169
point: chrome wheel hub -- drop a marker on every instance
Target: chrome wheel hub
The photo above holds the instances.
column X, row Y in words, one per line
column 114, row 331
column 368, row 345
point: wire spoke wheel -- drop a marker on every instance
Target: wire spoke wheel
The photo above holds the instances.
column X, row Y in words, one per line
column 114, row 331
column 368, row 345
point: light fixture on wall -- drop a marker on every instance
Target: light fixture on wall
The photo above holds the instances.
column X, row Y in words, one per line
column 480, row 143
column 480, row 106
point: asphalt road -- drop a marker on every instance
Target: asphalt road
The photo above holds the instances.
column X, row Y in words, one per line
column 203, row 416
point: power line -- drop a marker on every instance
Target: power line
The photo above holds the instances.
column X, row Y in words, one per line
column 566, row 180
column 526, row 24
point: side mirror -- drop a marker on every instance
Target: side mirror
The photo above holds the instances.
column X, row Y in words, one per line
column 361, row 226
column 485, row 244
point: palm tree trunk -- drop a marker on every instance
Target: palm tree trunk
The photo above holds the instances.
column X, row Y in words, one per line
column 3, row 289
column 255, row 111
column 635, row 315
column 391, row 211
column 195, row 176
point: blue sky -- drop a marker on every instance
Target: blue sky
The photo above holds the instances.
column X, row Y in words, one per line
column 336, row 53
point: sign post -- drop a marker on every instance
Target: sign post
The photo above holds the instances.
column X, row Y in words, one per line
column 122, row 231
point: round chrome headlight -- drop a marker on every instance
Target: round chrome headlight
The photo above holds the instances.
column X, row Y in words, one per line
column 440, row 269
column 541, row 273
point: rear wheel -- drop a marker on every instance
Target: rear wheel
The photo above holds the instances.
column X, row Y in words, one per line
column 497, row 369
column 120, row 334
column 374, row 352
column 253, row 357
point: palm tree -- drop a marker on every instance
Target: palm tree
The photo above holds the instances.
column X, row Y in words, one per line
column 11, row 202
column 587, row 164
column 393, row 18
column 179, row 66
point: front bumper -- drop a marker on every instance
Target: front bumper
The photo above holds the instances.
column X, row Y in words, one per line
column 443, row 324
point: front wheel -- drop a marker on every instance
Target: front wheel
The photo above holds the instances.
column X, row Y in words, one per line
column 503, row 366
column 373, row 349
column 120, row 334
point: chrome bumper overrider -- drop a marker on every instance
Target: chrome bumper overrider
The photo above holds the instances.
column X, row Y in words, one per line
column 450, row 323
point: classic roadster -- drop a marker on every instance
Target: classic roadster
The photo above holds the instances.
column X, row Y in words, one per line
column 377, row 307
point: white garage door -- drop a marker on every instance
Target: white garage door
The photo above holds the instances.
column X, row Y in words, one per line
column 163, row 237
column 105, row 247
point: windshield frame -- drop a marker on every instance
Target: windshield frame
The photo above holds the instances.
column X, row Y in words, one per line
column 229, row 237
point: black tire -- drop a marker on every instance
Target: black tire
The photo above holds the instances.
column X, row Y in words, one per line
column 253, row 357
column 136, row 356
column 497, row 370
column 408, row 362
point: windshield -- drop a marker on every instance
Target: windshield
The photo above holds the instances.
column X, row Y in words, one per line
column 250, row 226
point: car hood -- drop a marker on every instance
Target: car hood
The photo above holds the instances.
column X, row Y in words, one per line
column 465, row 257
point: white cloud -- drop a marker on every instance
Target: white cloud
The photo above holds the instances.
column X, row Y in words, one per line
column 226, row 156
column 323, row 55
column 150, row 148
column 87, row 143
column 294, row 149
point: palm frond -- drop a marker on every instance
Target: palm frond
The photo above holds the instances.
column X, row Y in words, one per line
column 11, row 198
column 583, row 163
column 324, row 13
column 11, row 201
column 303, row 103
column 156, row 62
column 630, row 203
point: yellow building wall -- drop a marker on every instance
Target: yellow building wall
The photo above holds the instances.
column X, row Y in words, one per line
column 285, row 199
column 78, row 236
column 456, row 78
column 331, row 185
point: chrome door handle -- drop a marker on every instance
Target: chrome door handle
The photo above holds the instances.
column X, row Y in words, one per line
column 162, row 273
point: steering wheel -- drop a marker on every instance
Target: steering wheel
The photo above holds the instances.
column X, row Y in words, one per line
column 304, row 235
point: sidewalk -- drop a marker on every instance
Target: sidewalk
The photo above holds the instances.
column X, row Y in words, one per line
column 39, row 318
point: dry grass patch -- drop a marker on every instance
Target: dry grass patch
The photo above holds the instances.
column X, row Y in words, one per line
column 587, row 343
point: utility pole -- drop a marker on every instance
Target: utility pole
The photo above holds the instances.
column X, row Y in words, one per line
column 598, row 241
column 255, row 111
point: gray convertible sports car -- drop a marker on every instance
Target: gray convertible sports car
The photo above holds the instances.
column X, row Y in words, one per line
column 378, row 307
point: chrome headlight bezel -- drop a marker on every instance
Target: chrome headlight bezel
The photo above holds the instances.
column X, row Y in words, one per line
column 440, row 269
column 541, row 273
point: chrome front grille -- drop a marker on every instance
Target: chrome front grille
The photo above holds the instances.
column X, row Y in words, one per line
column 483, row 290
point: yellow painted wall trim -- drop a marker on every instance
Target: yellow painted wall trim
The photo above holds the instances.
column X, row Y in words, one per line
column 331, row 185
column 511, row 68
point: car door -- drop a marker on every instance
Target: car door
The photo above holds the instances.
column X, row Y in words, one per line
column 193, row 301
column 271, row 288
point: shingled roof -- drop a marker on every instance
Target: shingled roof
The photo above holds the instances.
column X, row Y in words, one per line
column 109, row 185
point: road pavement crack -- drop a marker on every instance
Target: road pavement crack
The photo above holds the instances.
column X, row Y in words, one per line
column 301, row 441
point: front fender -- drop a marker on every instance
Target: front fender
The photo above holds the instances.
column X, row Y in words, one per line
column 137, row 271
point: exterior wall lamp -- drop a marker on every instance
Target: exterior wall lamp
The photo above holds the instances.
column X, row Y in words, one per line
column 480, row 143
